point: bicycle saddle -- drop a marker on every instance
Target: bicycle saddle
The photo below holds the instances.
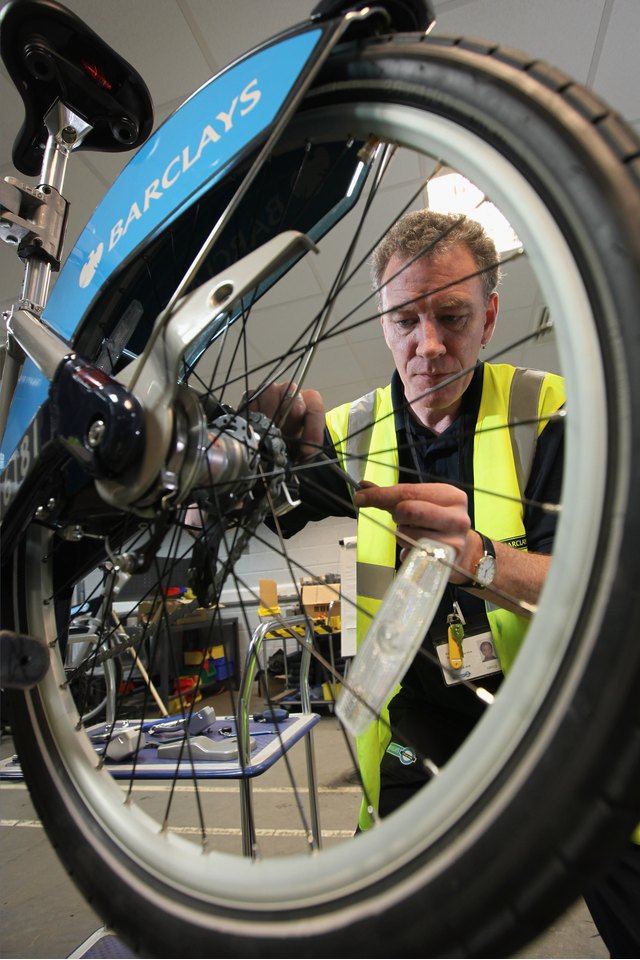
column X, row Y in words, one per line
column 52, row 55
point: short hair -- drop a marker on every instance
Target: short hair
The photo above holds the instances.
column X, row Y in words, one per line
column 431, row 234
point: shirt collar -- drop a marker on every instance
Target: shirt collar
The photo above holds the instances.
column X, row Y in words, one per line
column 469, row 407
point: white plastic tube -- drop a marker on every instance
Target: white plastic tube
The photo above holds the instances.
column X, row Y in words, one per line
column 395, row 634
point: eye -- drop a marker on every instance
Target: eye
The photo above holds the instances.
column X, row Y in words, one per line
column 454, row 321
column 405, row 323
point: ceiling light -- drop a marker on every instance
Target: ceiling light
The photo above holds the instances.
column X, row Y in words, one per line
column 453, row 193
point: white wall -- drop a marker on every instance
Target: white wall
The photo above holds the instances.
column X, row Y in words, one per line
column 312, row 552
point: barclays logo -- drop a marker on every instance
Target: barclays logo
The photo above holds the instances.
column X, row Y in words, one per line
column 182, row 161
column 88, row 270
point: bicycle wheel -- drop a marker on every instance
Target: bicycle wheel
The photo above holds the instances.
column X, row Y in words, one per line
column 546, row 785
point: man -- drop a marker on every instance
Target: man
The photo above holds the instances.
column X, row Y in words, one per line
column 418, row 450
column 430, row 463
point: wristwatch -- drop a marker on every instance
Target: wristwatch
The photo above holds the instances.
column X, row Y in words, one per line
column 486, row 567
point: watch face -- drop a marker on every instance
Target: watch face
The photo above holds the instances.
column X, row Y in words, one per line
column 486, row 570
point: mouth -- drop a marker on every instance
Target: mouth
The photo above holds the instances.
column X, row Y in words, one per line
column 431, row 375
column 431, row 384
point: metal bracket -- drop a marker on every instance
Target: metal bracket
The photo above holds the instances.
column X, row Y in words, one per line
column 33, row 219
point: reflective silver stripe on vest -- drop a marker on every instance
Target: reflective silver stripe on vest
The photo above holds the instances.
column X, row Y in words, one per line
column 373, row 580
column 359, row 430
column 524, row 398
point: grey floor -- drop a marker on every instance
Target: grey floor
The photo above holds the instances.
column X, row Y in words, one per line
column 43, row 915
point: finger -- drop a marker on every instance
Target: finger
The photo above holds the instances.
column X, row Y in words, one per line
column 312, row 435
column 428, row 516
column 276, row 401
column 387, row 498
column 266, row 400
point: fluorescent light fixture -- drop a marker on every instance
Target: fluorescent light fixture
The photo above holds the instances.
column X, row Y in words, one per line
column 453, row 193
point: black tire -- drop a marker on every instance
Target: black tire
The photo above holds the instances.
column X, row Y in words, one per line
column 547, row 787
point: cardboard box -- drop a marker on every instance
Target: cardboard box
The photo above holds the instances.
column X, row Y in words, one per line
column 269, row 604
column 316, row 599
column 320, row 598
column 150, row 611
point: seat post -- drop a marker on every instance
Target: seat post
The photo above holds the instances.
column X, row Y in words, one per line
column 65, row 132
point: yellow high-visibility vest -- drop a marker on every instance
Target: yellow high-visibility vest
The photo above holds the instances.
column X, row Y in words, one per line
column 364, row 436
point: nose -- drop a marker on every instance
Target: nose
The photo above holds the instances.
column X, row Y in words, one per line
column 430, row 343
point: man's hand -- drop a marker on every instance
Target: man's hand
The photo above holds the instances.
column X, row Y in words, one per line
column 437, row 511
column 299, row 414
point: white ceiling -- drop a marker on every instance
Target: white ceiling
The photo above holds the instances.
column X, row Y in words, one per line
column 178, row 44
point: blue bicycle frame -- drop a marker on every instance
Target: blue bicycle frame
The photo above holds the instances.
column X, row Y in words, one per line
column 241, row 110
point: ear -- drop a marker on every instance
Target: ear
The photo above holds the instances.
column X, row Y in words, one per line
column 490, row 317
column 384, row 323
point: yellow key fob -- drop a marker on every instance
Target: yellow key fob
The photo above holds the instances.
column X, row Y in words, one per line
column 455, row 635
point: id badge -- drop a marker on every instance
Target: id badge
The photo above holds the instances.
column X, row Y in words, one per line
column 479, row 659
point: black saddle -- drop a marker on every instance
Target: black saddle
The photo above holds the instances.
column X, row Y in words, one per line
column 51, row 55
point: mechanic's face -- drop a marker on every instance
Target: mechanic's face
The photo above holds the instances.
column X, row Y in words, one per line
column 436, row 336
